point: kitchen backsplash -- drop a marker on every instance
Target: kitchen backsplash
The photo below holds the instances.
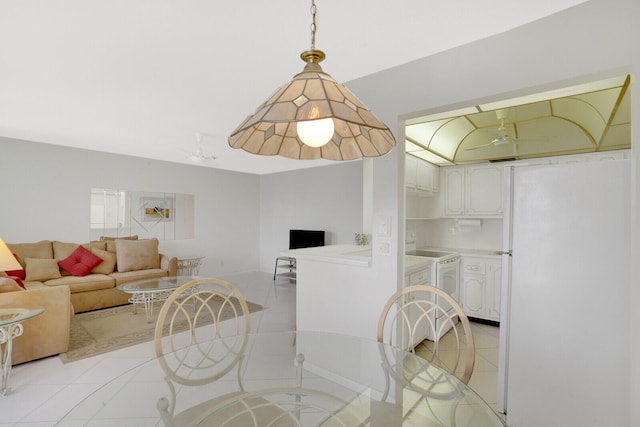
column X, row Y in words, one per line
column 484, row 234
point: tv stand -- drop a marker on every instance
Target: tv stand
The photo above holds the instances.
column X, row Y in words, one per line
column 289, row 264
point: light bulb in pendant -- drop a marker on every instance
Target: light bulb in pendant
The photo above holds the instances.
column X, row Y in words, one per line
column 315, row 133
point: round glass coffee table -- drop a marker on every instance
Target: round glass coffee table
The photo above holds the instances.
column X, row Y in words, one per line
column 150, row 291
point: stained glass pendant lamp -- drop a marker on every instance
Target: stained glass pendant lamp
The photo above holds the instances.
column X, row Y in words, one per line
column 313, row 117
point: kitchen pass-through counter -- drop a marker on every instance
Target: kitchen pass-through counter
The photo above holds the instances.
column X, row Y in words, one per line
column 354, row 255
column 348, row 255
column 338, row 288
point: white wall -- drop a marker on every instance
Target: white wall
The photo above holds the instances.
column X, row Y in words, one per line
column 45, row 196
column 324, row 198
column 593, row 40
column 242, row 221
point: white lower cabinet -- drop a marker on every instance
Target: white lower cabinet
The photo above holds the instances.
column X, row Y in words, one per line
column 481, row 281
column 421, row 276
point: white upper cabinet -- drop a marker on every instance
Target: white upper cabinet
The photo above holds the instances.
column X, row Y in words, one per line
column 483, row 194
column 410, row 171
column 428, row 176
column 454, row 189
column 474, row 191
column 421, row 176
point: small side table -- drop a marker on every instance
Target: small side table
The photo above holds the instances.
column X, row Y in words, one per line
column 11, row 319
column 189, row 265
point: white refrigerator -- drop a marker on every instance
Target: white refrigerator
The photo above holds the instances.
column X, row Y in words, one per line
column 564, row 356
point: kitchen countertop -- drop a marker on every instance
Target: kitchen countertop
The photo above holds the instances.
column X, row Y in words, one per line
column 338, row 254
column 361, row 255
column 411, row 261
column 349, row 254
column 414, row 263
column 462, row 251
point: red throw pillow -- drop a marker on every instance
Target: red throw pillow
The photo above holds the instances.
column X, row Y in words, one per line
column 16, row 273
column 17, row 280
column 80, row 262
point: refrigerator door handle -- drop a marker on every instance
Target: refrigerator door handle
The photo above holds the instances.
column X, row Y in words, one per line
column 505, row 253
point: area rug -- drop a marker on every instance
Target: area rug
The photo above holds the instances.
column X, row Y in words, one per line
column 100, row 331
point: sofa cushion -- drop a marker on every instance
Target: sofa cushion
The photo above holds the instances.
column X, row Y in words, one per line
column 80, row 262
column 41, row 249
column 42, row 269
column 107, row 238
column 108, row 263
column 62, row 250
column 16, row 273
column 43, row 335
column 134, row 255
column 111, row 246
column 130, row 276
column 9, row 285
column 111, row 241
column 91, row 282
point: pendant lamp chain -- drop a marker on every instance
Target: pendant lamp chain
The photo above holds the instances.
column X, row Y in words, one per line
column 314, row 10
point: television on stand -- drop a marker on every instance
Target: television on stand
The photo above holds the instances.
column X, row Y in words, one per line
column 299, row 239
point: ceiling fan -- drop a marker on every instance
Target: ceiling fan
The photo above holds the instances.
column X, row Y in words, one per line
column 199, row 156
column 502, row 137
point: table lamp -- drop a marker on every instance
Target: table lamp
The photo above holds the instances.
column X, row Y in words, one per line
column 7, row 260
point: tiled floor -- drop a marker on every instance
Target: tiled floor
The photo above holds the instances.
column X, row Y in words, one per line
column 485, row 371
column 45, row 390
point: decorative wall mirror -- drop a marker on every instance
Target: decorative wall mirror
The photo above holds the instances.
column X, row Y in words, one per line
column 120, row 213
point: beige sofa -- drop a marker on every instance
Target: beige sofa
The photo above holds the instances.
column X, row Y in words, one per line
column 62, row 293
column 46, row 334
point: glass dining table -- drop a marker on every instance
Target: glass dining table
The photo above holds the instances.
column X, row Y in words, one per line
column 298, row 378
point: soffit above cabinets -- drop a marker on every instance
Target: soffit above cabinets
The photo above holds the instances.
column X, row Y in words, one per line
column 579, row 119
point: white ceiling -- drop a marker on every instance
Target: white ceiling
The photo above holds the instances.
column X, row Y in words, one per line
column 142, row 77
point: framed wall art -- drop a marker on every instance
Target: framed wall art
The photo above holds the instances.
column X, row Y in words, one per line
column 156, row 208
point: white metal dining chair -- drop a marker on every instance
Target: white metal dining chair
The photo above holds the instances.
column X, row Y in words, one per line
column 200, row 336
column 425, row 310
column 415, row 312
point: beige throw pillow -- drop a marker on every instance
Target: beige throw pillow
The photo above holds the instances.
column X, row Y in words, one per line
column 62, row 250
column 8, row 285
column 41, row 269
column 134, row 255
column 111, row 241
column 108, row 263
column 41, row 249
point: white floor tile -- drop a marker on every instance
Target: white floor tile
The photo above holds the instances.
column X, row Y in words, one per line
column 486, row 385
column 62, row 402
column 24, row 400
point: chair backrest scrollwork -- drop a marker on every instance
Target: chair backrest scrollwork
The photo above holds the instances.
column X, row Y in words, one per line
column 193, row 344
column 422, row 310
